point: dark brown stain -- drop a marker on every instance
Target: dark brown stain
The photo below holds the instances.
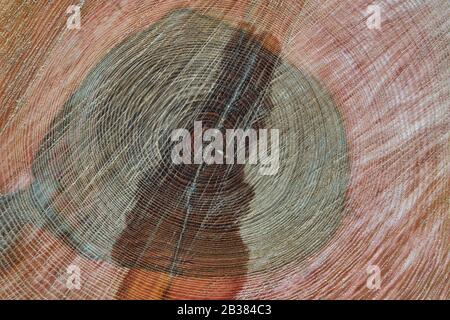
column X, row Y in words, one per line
column 185, row 221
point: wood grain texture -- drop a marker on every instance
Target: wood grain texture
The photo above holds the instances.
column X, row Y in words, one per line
column 373, row 105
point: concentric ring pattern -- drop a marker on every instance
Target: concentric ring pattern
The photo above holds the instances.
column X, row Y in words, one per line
column 97, row 188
